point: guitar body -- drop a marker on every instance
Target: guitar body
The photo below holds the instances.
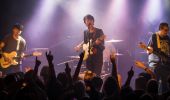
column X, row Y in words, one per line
column 156, row 56
column 159, row 58
column 9, row 60
column 86, row 51
column 92, row 50
column 153, row 58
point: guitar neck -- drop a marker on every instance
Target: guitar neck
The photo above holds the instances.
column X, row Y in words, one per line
column 19, row 57
column 28, row 55
column 158, row 53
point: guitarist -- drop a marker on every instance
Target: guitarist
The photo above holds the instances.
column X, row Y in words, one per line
column 14, row 42
column 159, row 51
column 94, row 61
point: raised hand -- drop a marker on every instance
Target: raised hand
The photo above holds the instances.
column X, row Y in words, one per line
column 37, row 62
column 81, row 55
column 113, row 58
column 67, row 69
column 131, row 72
column 68, row 72
column 129, row 78
column 114, row 66
column 49, row 56
column 77, row 71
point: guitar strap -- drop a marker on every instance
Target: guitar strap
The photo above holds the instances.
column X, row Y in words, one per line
column 18, row 44
column 158, row 40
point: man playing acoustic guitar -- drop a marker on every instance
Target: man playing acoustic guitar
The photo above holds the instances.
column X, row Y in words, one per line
column 95, row 37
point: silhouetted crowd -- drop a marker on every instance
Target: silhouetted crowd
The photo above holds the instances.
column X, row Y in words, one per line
column 64, row 86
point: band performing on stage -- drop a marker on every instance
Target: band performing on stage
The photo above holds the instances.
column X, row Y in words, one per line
column 84, row 49
column 13, row 47
column 93, row 45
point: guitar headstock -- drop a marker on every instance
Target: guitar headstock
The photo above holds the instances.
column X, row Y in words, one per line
column 36, row 53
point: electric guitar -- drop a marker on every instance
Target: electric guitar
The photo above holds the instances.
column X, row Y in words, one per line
column 9, row 59
column 161, row 57
column 86, row 50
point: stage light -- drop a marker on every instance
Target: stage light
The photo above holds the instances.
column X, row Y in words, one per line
column 153, row 10
column 115, row 16
column 167, row 4
column 41, row 18
column 77, row 10
column 116, row 9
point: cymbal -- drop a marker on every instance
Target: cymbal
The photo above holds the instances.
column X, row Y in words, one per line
column 119, row 54
column 40, row 48
column 143, row 52
column 113, row 41
column 37, row 49
column 65, row 62
column 74, row 57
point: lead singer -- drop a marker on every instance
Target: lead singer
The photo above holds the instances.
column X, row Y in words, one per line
column 94, row 61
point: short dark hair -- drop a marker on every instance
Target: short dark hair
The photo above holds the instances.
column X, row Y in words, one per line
column 18, row 26
column 88, row 16
column 161, row 25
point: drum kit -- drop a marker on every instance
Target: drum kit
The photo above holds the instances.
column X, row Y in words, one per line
column 106, row 69
column 109, row 49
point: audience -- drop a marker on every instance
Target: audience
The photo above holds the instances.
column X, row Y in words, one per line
column 65, row 86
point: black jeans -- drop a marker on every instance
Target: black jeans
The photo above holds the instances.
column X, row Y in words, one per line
column 94, row 63
column 162, row 72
